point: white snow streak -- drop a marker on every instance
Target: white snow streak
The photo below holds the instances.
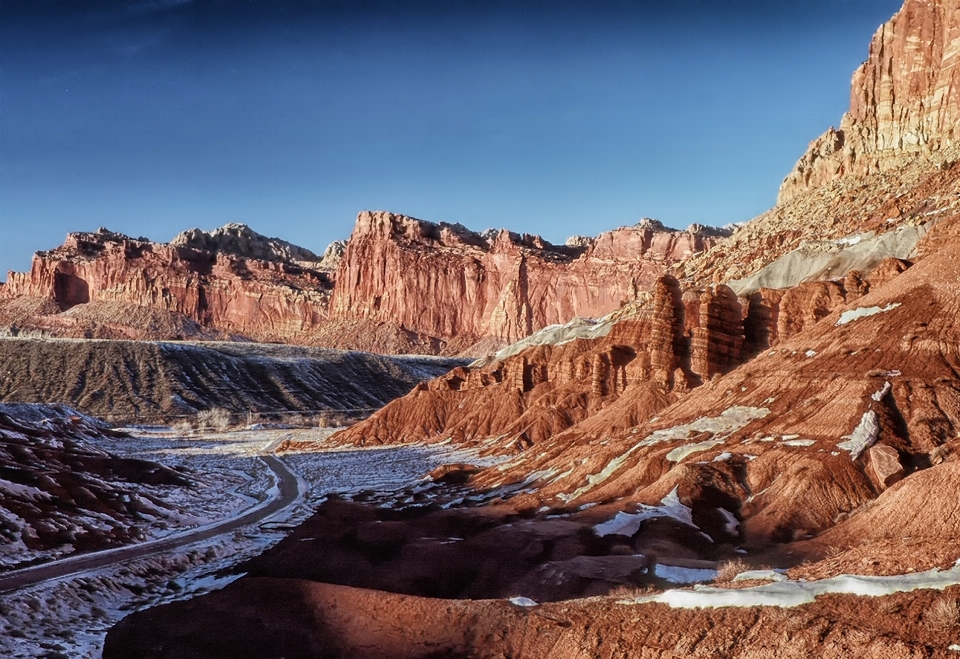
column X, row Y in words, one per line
column 863, row 436
column 794, row 593
column 629, row 523
column 863, row 312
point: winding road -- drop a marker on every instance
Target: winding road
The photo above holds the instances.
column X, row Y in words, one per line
column 289, row 487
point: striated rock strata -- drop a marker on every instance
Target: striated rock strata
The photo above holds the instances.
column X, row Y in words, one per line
column 904, row 100
column 671, row 342
column 94, row 274
column 403, row 285
column 445, row 281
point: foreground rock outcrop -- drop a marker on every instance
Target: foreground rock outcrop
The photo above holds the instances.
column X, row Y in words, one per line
column 60, row 494
column 301, row 619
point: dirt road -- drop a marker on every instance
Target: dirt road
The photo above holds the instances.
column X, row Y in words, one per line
column 289, row 492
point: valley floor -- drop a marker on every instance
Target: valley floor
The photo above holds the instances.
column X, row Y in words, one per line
column 69, row 615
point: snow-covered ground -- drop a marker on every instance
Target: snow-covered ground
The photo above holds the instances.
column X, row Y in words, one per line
column 786, row 593
column 69, row 617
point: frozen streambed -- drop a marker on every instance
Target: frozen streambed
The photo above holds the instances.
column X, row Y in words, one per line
column 69, row 617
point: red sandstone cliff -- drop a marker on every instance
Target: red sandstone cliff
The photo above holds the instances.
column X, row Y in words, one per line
column 93, row 275
column 447, row 282
column 674, row 341
column 405, row 285
column 904, row 100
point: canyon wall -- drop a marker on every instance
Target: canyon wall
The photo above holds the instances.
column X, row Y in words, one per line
column 674, row 342
column 446, row 281
column 221, row 290
column 405, row 285
column 904, row 100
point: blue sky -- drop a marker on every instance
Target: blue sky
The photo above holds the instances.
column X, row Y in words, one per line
column 555, row 117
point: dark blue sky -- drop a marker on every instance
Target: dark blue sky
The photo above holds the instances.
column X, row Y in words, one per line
column 545, row 116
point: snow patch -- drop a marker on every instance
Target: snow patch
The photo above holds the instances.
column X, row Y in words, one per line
column 863, row 436
column 629, row 523
column 760, row 575
column 863, row 312
column 679, row 453
column 729, row 421
column 732, row 525
column 883, row 392
column 788, row 594
column 684, row 575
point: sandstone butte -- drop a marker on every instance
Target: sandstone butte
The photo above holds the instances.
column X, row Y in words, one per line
column 399, row 285
column 813, row 425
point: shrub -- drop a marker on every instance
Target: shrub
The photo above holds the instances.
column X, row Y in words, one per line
column 182, row 427
column 216, row 419
column 727, row 570
column 943, row 615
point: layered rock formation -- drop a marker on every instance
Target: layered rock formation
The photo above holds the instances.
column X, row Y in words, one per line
column 670, row 342
column 904, row 101
column 405, row 285
column 447, row 282
column 241, row 240
column 237, row 284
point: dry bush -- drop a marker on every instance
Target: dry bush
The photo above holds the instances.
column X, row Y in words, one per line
column 182, row 427
column 832, row 551
column 216, row 419
column 629, row 592
column 939, row 454
column 330, row 419
column 943, row 615
column 727, row 570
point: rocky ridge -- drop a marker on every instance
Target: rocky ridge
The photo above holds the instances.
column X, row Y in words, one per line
column 497, row 285
column 904, row 101
column 140, row 381
column 233, row 283
column 107, row 285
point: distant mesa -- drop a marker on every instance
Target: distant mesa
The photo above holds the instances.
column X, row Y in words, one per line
column 399, row 284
